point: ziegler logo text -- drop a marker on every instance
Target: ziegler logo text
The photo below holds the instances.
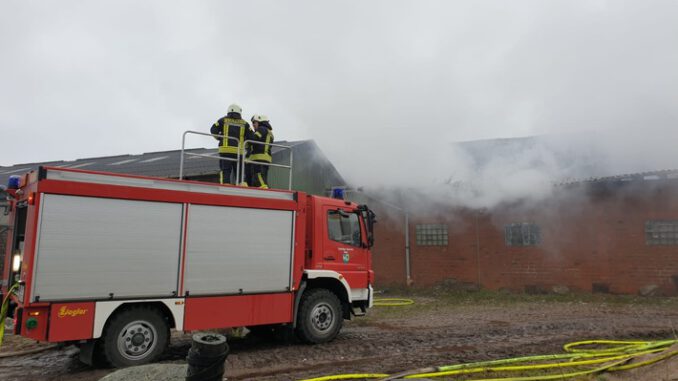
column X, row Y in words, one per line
column 66, row 312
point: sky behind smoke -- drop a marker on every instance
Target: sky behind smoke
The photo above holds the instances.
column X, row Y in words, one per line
column 384, row 87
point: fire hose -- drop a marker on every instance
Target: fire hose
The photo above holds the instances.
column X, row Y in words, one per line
column 392, row 302
column 3, row 316
column 605, row 355
column 4, row 309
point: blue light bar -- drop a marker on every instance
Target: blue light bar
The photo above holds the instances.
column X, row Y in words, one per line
column 13, row 182
column 338, row 193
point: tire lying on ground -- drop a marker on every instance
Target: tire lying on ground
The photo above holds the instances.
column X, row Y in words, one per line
column 320, row 316
column 134, row 336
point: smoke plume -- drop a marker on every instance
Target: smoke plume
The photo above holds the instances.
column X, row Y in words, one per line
column 387, row 89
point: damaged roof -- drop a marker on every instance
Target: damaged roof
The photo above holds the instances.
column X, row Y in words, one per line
column 664, row 174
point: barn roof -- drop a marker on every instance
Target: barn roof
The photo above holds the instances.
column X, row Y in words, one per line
column 313, row 172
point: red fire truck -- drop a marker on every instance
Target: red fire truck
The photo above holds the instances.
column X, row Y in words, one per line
column 112, row 262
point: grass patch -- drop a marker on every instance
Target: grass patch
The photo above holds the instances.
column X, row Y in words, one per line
column 432, row 299
column 505, row 297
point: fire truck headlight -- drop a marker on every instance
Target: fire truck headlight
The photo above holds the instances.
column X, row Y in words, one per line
column 16, row 262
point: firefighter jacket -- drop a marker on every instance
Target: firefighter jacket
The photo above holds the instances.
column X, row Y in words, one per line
column 233, row 127
column 262, row 152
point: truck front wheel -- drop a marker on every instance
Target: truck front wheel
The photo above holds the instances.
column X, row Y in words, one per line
column 135, row 336
column 320, row 316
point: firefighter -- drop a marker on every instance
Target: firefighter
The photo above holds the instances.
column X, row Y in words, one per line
column 261, row 152
column 248, row 167
column 233, row 126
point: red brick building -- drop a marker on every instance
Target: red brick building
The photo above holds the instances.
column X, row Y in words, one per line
column 617, row 235
column 612, row 234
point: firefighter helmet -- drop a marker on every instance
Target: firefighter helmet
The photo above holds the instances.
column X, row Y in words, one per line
column 235, row 108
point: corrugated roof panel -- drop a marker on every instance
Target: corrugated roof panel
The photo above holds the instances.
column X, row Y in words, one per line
column 154, row 159
column 80, row 165
column 15, row 171
column 312, row 173
column 123, row 162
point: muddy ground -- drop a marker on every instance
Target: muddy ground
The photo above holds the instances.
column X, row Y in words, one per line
column 441, row 328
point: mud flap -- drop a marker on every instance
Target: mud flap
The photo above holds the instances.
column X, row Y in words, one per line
column 359, row 310
column 87, row 352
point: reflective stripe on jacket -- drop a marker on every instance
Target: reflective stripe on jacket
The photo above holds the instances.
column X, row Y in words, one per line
column 233, row 128
column 262, row 152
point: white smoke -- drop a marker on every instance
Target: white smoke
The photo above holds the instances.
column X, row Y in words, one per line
column 386, row 88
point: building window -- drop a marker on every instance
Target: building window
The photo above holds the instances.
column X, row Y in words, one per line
column 661, row 232
column 431, row 234
column 522, row 234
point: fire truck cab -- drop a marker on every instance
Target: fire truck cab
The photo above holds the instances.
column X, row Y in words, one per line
column 112, row 262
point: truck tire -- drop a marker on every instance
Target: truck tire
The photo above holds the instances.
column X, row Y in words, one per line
column 320, row 316
column 134, row 336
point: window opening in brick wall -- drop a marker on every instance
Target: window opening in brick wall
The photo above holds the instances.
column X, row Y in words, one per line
column 431, row 234
column 661, row 232
column 522, row 234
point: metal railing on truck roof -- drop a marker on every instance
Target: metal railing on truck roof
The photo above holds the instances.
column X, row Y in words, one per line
column 183, row 153
column 240, row 169
column 289, row 167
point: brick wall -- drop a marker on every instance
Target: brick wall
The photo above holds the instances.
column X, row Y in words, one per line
column 590, row 234
column 431, row 264
column 388, row 254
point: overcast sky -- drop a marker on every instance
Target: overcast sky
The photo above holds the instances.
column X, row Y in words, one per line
column 378, row 82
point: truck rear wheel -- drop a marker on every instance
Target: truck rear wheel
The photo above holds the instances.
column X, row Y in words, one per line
column 320, row 316
column 135, row 336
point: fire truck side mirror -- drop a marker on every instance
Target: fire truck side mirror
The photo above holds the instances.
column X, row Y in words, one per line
column 369, row 218
column 372, row 220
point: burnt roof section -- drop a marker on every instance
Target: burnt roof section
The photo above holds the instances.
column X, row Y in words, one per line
column 664, row 174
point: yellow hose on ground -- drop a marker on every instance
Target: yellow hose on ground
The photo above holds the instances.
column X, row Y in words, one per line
column 612, row 354
column 359, row 376
column 3, row 310
column 392, row 302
